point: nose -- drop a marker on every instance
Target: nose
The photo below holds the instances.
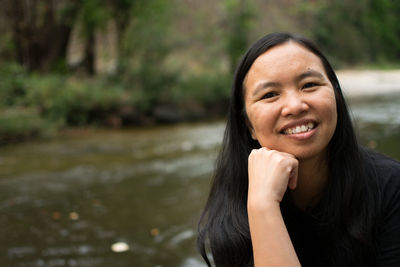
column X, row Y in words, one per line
column 293, row 104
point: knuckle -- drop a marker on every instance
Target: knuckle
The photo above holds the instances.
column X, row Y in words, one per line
column 253, row 153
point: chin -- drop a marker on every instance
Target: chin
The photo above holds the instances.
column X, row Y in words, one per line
column 307, row 155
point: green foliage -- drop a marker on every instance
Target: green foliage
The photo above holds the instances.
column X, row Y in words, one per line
column 144, row 51
column 383, row 27
column 94, row 14
column 7, row 45
column 208, row 88
column 354, row 32
column 240, row 16
column 12, row 84
column 72, row 101
column 20, row 123
column 59, row 100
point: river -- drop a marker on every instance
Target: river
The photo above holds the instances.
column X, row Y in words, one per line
column 68, row 200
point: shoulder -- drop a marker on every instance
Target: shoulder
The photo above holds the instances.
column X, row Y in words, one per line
column 387, row 173
column 386, row 170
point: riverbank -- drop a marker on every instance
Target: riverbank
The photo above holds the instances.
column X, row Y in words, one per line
column 356, row 83
column 105, row 107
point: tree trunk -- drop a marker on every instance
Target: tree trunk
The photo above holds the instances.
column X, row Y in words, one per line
column 89, row 59
column 40, row 36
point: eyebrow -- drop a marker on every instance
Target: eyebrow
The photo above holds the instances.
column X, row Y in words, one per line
column 310, row 73
column 264, row 85
column 306, row 74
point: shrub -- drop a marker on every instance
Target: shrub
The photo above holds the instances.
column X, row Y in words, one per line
column 207, row 89
column 72, row 101
column 12, row 84
column 17, row 124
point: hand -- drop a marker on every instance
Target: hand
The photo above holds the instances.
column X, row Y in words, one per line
column 270, row 173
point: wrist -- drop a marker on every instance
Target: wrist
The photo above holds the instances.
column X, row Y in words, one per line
column 255, row 205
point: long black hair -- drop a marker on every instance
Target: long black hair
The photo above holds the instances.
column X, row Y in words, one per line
column 348, row 207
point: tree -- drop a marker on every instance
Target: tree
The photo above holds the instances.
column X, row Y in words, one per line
column 239, row 18
column 41, row 31
column 364, row 31
column 94, row 14
column 382, row 26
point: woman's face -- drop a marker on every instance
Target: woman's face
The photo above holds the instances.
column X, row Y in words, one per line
column 290, row 102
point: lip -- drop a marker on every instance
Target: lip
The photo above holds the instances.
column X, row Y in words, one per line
column 293, row 124
column 302, row 136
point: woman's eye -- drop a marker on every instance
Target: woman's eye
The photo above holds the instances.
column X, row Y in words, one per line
column 309, row 85
column 269, row 95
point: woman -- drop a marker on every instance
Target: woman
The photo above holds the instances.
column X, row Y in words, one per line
column 292, row 186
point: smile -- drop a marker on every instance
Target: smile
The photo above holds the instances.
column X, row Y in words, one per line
column 303, row 128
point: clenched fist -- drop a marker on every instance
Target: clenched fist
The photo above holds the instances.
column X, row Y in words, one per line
column 270, row 173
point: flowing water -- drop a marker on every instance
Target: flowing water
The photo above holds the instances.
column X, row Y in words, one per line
column 67, row 201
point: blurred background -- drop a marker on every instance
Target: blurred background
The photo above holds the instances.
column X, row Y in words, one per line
column 112, row 113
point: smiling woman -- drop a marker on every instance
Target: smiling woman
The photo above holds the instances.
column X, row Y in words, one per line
column 292, row 186
column 284, row 97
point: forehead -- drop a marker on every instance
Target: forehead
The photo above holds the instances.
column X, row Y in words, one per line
column 284, row 60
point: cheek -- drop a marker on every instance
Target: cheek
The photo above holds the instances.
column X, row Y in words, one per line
column 262, row 120
column 328, row 110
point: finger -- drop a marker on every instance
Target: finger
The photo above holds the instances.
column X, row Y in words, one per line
column 287, row 154
column 283, row 153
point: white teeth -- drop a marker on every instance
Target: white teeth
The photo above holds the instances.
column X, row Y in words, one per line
column 300, row 129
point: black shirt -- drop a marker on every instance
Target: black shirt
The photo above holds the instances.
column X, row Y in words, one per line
column 314, row 243
column 388, row 234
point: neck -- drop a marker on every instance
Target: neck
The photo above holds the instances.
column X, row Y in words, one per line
column 312, row 178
